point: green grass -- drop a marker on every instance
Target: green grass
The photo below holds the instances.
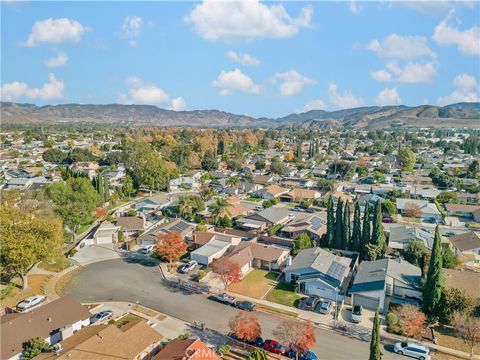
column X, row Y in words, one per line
column 274, row 310
column 83, row 228
column 254, row 199
column 60, row 264
column 255, row 284
column 284, row 294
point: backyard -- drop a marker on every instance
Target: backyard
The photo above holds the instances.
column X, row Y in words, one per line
column 256, row 284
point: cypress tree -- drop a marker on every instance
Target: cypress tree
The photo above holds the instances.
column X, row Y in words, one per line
column 375, row 351
column 346, row 227
column 365, row 232
column 298, row 153
column 432, row 291
column 357, row 230
column 101, row 189
column 106, row 190
column 338, row 236
column 378, row 237
column 330, row 223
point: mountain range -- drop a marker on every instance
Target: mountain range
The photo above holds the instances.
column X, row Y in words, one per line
column 455, row 115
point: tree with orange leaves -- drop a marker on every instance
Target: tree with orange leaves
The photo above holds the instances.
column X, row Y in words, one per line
column 227, row 270
column 412, row 210
column 171, row 246
column 289, row 156
column 411, row 321
column 245, row 326
column 100, row 213
column 296, row 334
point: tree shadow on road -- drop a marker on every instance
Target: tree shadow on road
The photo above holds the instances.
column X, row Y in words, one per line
column 133, row 258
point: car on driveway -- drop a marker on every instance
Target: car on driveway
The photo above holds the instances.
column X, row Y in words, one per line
column 245, row 305
column 388, row 220
column 412, row 349
column 258, row 342
column 357, row 312
column 185, row 268
column 146, row 249
column 325, row 307
column 101, row 316
column 274, row 347
column 311, row 302
column 31, row 302
column 224, row 298
column 307, row 355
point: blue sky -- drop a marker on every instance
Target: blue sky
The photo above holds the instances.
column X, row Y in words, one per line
column 255, row 58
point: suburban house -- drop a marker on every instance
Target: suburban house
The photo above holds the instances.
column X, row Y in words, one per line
column 54, row 322
column 299, row 195
column 135, row 340
column 106, row 233
column 157, row 202
column 271, row 192
column 369, row 198
column 314, row 226
column 381, row 282
column 131, row 225
column 265, row 218
column 401, row 235
column 115, row 177
column 461, row 210
column 320, row 272
column 86, row 167
column 467, row 247
column 427, row 210
column 249, row 255
column 150, row 237
column 189, row 349
column 263, row 179
column 468, row 198
column 466, row 280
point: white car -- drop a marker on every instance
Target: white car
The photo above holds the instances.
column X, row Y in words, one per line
column 147, row 249
column 188, row 267
column 412, row 349
column 31, row 302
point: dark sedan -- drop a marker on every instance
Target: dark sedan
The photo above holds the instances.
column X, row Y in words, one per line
column 258, row 342
column 245, row 305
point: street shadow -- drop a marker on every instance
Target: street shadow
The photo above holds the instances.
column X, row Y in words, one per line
column 176, row 289
column 388, row 347
column 133, row 258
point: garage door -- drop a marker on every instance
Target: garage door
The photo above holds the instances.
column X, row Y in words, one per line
column 366, row 302
column 323, row 293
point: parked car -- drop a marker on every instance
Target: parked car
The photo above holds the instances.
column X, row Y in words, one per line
column 185, row 268
column 388, row 220
column 412, row 349
column 310, row 210
column 245, row 305
column 101, row 316
column 357, row 312
column 31, row 302
column 224, row 298
column 274, row 347
column 258, row 342
column 325, row 307
column 312, row 302
column 147, row 249
column 307, row 355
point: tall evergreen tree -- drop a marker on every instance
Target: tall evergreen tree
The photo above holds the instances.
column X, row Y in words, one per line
column 432, row 291
column 365, row 232
column 346, row 245
column 106, row 190
column 375, row 350
column 378, row 236
column 330, row 223
column 298, row 153
column 357, row 230
column 101, row 189
column 338, row 236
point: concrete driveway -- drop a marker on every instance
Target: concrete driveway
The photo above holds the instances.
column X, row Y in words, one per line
column 137, row 278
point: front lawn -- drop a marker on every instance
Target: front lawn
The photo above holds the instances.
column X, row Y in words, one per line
column 256, row 284
column 447, row 337
column 253, row 199
column 36, row 286
column 59, row 264
column 284, row 293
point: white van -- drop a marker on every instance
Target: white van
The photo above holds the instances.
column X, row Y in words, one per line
column 412, row 349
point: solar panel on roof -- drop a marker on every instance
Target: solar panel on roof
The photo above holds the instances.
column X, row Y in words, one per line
column 316, row 223
column 336, row 270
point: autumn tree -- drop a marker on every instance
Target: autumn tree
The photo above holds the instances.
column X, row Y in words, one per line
column 289, row 156
column 410, row 320
column 412, row 210
column 468, row 327
column 227, row 270
column 171, row 246
column 296, row 334
column 245, row 326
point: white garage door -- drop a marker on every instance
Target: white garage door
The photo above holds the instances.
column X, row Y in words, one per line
column 365, row 301
column 323, row 293
column 104, row 240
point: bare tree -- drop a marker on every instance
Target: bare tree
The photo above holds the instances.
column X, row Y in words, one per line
column 469, row 329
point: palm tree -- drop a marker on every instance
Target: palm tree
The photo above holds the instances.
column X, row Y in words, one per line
column 206, row 193
column 184, row 206
column 219, row 208
column 233, row 181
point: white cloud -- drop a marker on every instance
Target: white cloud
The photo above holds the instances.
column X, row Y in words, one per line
column 434, row 7
column 131, row 28
column 235, row 80
column 467, row 90
column 467, row 41
column 354, row 7
column 57, row 61
column 381, row 75
column 292, row 82
column 51, row 90
column 388, row 96
column 55, row 31
column 242, row 58
column 316, row 104
column 178, row 104
column 345, row 101
column 401, row 47
column 414, row 72
column 141, row 93
column 248, row 19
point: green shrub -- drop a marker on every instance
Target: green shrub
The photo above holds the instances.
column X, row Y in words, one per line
column 224, row 349
column 393, row 325
column 7, row 291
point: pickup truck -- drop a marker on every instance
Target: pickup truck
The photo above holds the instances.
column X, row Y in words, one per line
column 224, row 298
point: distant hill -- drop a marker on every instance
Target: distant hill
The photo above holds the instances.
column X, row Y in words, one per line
column 455, row 115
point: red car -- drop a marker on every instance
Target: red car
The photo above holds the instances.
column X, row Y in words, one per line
column 388, row 220
column 274, row 347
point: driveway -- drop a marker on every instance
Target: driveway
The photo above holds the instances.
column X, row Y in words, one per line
column 137, row 278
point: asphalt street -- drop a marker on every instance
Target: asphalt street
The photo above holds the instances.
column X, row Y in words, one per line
column 137, row 278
